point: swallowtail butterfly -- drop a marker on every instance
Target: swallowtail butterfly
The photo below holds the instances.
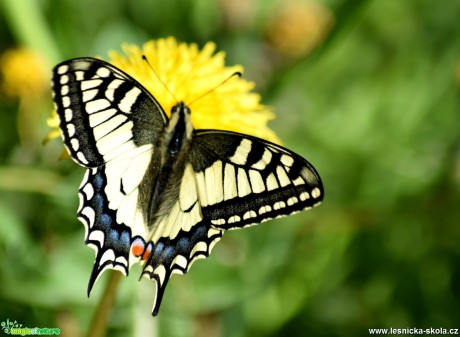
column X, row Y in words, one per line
column 156, row 191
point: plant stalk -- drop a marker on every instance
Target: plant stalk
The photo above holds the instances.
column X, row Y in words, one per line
column 98, row 327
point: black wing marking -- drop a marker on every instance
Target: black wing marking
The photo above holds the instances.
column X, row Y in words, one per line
column 111, row 240
column 95, row 102
column 244, row 180
column 175, row 255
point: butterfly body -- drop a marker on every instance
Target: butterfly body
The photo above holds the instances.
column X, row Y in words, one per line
column 157, row 191
column 160, row 186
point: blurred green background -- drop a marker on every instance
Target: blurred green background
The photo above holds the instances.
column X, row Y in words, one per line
column 368, row 91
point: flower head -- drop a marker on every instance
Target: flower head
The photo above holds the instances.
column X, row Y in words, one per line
column 23, row 72
column 24, row 77
column 193, row 76
column 189, row 73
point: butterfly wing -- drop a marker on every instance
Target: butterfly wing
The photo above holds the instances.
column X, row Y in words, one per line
column 243, row 180
column 109, row 124
column 230, row 181
column 180, row 237
column 176, row 255
column 96, row 103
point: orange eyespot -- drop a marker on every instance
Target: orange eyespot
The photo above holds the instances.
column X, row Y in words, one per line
column 147, row 251
column 138, row 247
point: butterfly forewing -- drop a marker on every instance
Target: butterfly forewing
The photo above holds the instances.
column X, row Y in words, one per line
column 244, row 180
column 96, row 103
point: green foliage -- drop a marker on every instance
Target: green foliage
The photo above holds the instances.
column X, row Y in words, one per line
column 375, row 108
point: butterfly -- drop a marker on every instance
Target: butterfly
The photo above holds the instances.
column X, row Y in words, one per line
column 157, row 191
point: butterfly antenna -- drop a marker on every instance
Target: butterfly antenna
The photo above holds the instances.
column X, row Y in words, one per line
column 237, row 73
column 158, row 77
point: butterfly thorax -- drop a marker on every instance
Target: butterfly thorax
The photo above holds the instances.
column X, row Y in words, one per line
column 168, row 169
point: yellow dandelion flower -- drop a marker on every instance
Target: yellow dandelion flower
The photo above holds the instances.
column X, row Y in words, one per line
column 188, row 73
column 24, row 73
column 53, row 123
column 24, row 77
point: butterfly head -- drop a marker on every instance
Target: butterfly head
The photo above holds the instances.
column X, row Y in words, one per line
column 180, row 127
column 180, row 108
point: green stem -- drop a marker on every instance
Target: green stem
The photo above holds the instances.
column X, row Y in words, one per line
column 29, row 27
column 98, row 327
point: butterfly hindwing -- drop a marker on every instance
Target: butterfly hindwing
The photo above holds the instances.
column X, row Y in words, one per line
column 176, row 255
column 109, row 210
column 244, row 180
column 111, row 240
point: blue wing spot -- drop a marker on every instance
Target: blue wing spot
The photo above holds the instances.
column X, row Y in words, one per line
column 114, row 236
column 98, row 202
column 158, row 248
column 105, row 220
column 167, row 253
column 125, row 238
column 182, row 244
column 98, row 181
column 119, row 241
column 200, row 232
